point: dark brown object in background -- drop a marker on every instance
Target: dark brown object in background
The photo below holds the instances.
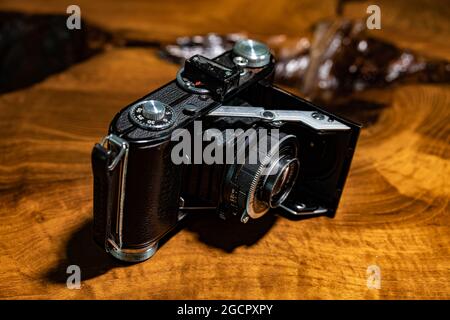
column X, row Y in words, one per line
column 342, row 59
column 35, row 46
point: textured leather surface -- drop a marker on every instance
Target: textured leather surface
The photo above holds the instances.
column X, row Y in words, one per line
column 151, row 195
column 102, row 182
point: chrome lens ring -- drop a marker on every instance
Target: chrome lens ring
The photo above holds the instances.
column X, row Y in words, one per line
column 280, row 181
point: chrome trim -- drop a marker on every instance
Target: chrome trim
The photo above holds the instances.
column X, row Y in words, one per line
column 299, row 211
column 310, row 118
column 133, row 255
column 114, row 237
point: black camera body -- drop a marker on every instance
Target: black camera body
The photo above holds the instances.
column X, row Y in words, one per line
column 141, row 193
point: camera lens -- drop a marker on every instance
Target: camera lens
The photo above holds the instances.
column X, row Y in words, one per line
column 280, row 181
column 255, row 187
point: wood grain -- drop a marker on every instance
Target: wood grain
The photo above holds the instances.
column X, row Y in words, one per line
column 394, row 212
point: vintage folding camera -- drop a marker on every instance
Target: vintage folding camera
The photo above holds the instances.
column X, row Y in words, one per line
column 141, row 192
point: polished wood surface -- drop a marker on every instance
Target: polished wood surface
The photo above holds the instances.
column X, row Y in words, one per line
column 394, row 211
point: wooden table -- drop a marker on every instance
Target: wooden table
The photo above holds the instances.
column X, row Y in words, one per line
column 394, row 212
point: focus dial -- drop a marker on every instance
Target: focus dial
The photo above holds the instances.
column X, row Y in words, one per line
column 152, row 114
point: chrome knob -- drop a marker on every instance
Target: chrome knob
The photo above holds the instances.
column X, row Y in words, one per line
column 153, row 109
column 256, row 53
column 152, row 115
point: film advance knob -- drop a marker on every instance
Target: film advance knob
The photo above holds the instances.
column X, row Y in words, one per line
column 151, row 114
column 257, row 53
column 153, row 109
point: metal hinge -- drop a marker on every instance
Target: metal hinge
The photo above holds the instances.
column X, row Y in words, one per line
column 313, row 119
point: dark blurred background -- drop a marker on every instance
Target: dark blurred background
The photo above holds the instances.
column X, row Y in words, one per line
column 324, row 49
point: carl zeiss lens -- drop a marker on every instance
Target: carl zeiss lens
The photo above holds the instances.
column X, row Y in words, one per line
column 255, row 188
